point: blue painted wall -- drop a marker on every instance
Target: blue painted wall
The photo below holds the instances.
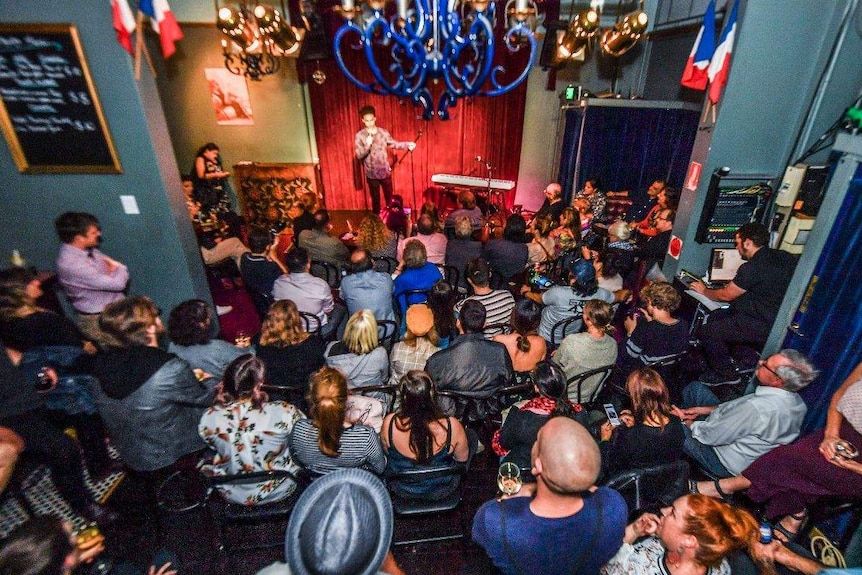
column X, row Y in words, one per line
column 158, row 245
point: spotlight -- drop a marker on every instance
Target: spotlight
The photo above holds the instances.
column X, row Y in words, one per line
column 625, row 34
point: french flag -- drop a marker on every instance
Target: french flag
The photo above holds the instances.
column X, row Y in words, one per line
column 695, row 74
column 719, row 68
column 164, row 24
column 124, row 23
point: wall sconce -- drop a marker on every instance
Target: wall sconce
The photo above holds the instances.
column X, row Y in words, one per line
column 625, row 34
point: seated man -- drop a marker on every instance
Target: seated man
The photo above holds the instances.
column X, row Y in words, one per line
column 320, row 244
column 310, row 294
column 462, row 248
column 364, row 288
column 552, row 206
column 472, row 365
column 564, row 524
column 562, row 302
column 261, row 266
column 645, row 210
column 434, row 241
column 498, row 303
column 656, row 334
column 737, row 432
column 755, row 295
column 467, row 201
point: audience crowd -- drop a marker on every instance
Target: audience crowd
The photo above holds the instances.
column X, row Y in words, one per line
column 392, row 368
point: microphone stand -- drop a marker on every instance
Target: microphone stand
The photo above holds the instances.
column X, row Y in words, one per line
column 412, row 171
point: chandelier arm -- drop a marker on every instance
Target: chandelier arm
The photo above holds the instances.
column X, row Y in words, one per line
column 471, row 77
column 499, row 89
column 339, row 59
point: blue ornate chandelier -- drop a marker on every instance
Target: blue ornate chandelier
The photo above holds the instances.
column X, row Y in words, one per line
column 437, row 41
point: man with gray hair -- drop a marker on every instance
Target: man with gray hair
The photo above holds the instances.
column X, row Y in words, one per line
column 737, row 432
column 562, row 516
column 434, row 241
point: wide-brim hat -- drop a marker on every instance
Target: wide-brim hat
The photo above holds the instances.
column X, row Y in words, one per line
column 341, row 525
column 419, row 319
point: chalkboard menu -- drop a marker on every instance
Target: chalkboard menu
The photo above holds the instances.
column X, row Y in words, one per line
column 727, row 208
column 49, row 110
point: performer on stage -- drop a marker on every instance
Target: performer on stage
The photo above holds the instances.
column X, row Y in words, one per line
column 370, row 147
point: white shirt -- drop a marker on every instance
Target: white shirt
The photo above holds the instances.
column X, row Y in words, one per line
column 742, row 430
column 435, row 247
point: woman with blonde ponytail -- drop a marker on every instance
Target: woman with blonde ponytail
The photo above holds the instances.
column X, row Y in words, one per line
column 249, row 433
column 690, row 537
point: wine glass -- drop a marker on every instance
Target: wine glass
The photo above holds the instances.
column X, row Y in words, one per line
column 242, row 339
column 509, row 478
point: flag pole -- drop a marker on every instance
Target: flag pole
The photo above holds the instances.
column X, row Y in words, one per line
column 139, row 45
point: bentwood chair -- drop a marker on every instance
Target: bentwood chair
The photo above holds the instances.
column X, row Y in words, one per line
column 326, row 271
column 576, row 382
column 651, row 488
column 561, row 329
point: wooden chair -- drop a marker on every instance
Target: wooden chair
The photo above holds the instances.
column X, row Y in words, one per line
column 385, row 264
column 326, row 271
column 561, row 329
column 387, row 333
column 600, row 373
column 651, row 488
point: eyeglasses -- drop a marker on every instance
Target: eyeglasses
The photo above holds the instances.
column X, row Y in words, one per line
column 762, row 363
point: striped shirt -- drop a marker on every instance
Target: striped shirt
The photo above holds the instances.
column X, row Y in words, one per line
column 498, row 307
column 360, row 447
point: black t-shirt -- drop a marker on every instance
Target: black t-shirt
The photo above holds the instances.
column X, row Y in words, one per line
column 259, row 273
column 764, row 278
column 41, row 328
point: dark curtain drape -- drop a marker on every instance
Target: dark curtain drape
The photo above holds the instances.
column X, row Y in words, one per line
column 626, row 147
column 480, row 126
column 830, row 319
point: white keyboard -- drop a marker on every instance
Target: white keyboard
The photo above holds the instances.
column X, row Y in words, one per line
column 472, row 182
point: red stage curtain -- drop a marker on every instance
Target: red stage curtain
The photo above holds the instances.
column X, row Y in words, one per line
column 480, row 126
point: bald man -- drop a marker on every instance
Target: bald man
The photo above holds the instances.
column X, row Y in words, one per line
column 553, row 205
column 565, row 525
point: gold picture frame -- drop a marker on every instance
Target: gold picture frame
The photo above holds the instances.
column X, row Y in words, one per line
column 50, row 112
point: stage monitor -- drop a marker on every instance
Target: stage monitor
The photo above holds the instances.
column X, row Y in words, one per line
column 723, row 264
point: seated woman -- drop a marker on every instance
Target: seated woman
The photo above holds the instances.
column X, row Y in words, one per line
column 189, row 327
column 790, row 478
column 514, row 440
column 326, row 441
column 650, row 434
column 249, row 433
column 567, row 235
column 441, row 300
column 656, row 334
column 595, row 348
column 417, row 346
column 692, row 536
column 375, row 237
column 359, row 355
column 417, row 273
column 508, row 256
column 150, row 400
column 541, row 248
column 289, row 353
column 419, row 435
column 47, row 339
column 525, row 346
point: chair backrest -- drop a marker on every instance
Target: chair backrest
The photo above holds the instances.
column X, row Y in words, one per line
column 416, row 479
column 390, row 392
column 598, row 376
column 261, row 301
column 384, row 264
column 310, row 322
column 669, row 368
column 63, row 300
column 563, row 328
column 650, row 488
column 492, row 329
column 411, row 296
column 451, row 274
column 326, row 271
column 387, row 333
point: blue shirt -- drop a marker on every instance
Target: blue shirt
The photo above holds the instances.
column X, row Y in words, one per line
column 415, row 278
column 369, row 290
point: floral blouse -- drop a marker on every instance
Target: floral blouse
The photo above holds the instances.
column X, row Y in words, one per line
column 246, row 440
column 646, row 557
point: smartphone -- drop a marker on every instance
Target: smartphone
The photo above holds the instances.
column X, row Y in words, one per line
column 611, row 412
column 540, row 281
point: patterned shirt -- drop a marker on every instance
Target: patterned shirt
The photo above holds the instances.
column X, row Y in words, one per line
column 375, row 158
column 246, row 440
column 646, row 557
column 404, row 358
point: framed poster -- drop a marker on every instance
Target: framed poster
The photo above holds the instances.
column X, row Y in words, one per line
column 229, row 97
column 49, row 109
